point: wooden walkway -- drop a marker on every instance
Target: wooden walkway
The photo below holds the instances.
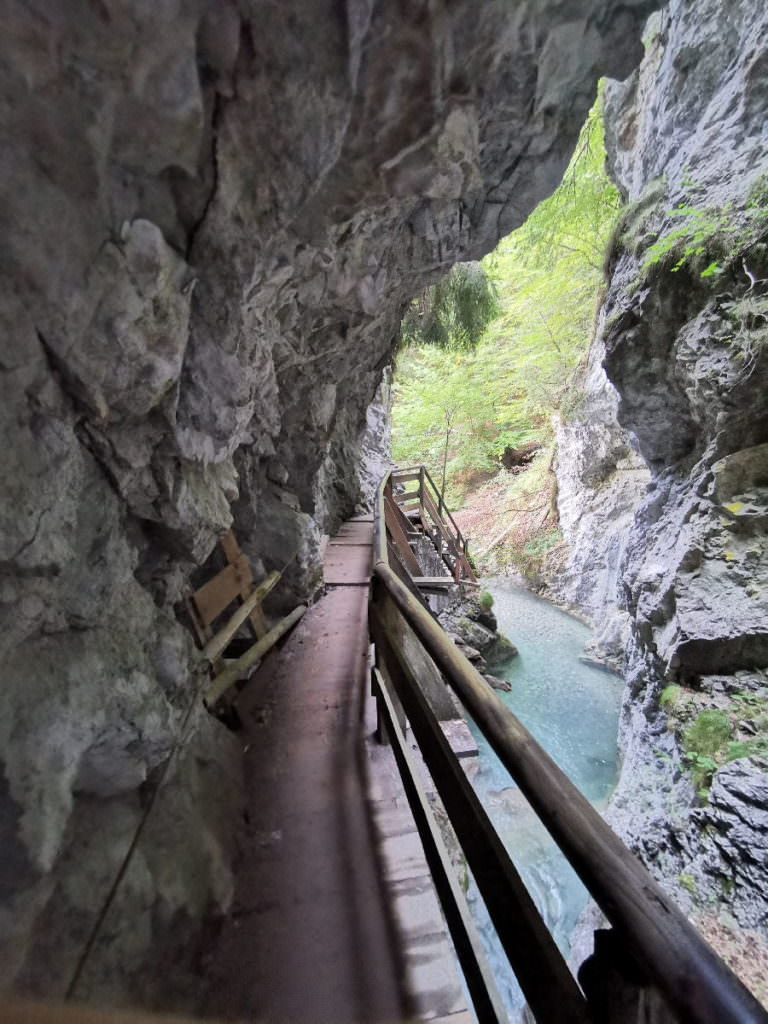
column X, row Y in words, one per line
column 309, row 937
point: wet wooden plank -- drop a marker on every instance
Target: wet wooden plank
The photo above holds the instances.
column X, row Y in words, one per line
column 347, row 564
column 308, row 938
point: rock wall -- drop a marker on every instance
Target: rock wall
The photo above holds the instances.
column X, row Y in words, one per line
column 600, row 480
column 686, row 347
column 212, row 215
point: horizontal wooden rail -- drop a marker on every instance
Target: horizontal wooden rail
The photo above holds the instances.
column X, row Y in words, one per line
column 247, row 662
column 430, row 501
column 539, row 966
column 480, row 981
column 695, row 982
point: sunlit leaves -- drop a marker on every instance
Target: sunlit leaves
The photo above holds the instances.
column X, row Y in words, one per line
column 531, row 356
column 453, row 313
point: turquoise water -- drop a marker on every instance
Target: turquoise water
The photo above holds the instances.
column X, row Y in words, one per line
column 572, row 710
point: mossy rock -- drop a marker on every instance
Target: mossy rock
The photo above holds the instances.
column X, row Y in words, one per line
column 502, row 652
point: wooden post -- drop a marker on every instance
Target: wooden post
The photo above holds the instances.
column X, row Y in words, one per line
column 217, row 644
column 238, row 669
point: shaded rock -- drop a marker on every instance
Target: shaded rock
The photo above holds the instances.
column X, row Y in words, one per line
column 467, row 623
column 497, row 683
column 687, row 566
column 213, row 216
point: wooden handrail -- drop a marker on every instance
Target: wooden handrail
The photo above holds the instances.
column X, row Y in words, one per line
column 695, row 982
column 539, row 966
column 434, row 504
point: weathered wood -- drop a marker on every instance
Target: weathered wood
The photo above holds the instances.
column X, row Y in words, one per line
column 467, row 943
column 393, row 560
column 695, row 982
column 539, row 966
column 456, row 543
column 215, row 596
column 203, row 633
column 390, row 629
column 230, row 547
column 445, row 508
column 217, row 644
column 234, row 556
column 240, row 668
column 404, row 521
column 399, row 538
column 405, row 478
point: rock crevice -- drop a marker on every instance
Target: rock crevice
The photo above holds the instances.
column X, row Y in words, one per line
column 213, row 214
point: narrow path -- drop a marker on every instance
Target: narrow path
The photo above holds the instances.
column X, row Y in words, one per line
column 309, row 937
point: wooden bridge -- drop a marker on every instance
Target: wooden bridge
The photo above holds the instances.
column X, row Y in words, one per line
column 311, row 935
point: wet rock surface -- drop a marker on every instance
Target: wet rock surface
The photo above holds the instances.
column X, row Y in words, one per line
column 601, row 477
column 212, row 216
column 475, row 631
column 683, row 340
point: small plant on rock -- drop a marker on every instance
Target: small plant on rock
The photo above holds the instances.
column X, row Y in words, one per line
column 669, row 697
column 485, row 600
column 704, row 740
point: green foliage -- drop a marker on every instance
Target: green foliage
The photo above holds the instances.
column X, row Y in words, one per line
column 702, row 767
column 715, row 736
column 687, row 881
column 453, row 313
column 549, row 274
column 445, row 402
column 539, row 545
column 695, row 234
column 710, row 730
column 465, row 407
column 703, row 741
column 701, row 232
column 529, row 558
column 669, row 697
column 485, row 600
column 757, row 747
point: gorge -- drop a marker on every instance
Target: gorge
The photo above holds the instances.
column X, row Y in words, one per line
column 213, row 217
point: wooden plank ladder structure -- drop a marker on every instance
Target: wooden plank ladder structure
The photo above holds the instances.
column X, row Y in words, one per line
column 424, row 511
column 651, row 960
column 233, row 584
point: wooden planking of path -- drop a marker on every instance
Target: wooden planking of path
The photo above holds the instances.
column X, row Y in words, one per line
column 309, row 936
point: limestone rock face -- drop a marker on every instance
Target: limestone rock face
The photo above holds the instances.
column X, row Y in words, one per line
column 212, row 216
column 684, row 337
column 600, row 480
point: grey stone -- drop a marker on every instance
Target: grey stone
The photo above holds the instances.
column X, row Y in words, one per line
column 679, row 576
column 212, row 218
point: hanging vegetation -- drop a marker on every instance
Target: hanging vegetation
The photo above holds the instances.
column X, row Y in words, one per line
column 455, row 312
column 493, row 350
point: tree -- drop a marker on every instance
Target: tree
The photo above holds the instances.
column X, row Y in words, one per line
column 460, row 406
column 453, row 313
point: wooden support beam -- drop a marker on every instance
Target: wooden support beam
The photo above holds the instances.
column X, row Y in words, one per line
column 240, row 668
column 541, row 970
column 696, row 983
column 217, row 644
column 234, row 556
column 469, row 947
column 217, row 594
column 399, row 538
